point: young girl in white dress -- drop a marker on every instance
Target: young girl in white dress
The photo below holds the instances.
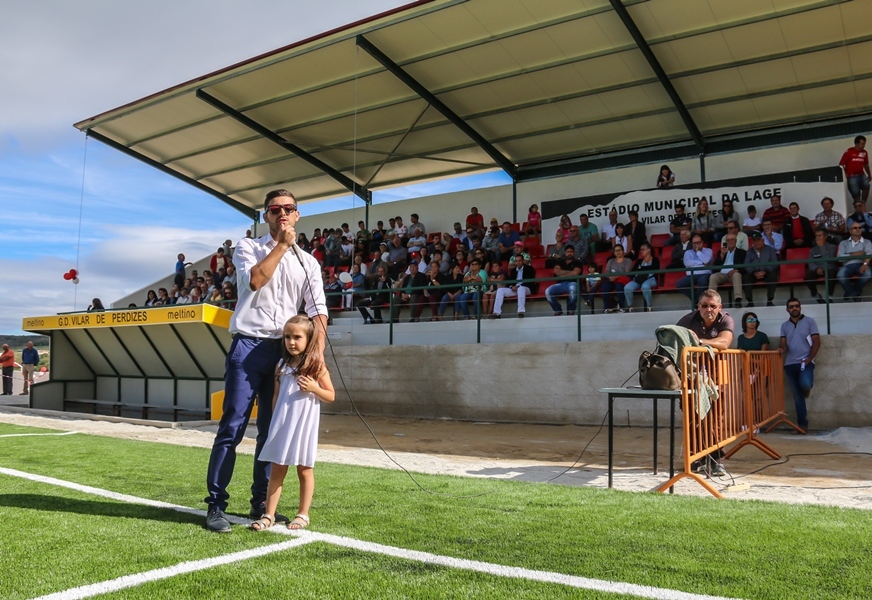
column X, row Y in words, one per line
column 293, row 432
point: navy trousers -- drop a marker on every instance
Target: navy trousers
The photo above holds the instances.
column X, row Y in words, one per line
column 250, row 373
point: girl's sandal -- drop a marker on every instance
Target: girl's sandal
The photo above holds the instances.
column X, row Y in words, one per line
column 299, row 522
column 263, row 523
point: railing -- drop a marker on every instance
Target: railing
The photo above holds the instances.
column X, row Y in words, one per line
column 725, row 396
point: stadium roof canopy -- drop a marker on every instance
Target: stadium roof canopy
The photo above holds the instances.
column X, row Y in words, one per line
column 537, row 88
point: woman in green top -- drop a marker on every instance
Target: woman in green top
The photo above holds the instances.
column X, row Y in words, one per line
column 751, row 338
column 473, row 286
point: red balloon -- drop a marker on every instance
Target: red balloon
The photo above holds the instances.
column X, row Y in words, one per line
column 73, row 272
column 43, row 369
column 67, row 276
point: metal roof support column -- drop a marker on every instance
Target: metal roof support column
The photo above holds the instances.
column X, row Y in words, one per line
column 702, row 167
column 504, row 163
column 642, row 43
column 348, row 183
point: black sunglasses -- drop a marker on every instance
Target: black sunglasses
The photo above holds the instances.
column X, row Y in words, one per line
column 275, row 209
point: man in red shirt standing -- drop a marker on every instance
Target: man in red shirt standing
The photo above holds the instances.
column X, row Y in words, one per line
column 778, row 213
column 855, row 161
column 476, row 220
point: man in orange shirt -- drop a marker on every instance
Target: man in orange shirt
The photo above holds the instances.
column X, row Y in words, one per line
column 7, row 362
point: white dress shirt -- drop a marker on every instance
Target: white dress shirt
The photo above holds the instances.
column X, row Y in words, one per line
column 263, row 313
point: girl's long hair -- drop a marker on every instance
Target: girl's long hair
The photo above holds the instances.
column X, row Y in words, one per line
column 307, row 365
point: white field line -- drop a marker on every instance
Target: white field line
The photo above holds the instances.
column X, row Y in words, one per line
column 128, row 581
column 641, row 591
column 8, row 435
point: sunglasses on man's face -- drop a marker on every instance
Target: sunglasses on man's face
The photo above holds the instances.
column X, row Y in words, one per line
column 275, row 209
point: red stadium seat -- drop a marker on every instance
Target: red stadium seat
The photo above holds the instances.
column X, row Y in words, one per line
column 538, row 262
column 671, row 279
column 658, row 240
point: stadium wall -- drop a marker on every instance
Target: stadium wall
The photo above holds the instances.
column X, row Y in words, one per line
column 557, row 383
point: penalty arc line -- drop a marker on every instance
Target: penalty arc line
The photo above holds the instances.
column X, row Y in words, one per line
column 641, row 591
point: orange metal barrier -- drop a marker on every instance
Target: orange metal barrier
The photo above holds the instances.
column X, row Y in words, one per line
column 722, row 403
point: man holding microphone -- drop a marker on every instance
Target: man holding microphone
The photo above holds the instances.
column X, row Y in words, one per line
column 274, row 278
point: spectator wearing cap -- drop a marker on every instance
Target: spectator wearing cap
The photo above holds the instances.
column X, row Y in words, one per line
column 407, row 295
column 862, row 217
column 506, row 241
column 757, row 271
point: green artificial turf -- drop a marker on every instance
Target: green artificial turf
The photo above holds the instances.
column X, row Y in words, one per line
column 745, row 549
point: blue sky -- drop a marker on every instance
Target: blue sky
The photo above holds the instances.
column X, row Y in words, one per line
column 63, row 62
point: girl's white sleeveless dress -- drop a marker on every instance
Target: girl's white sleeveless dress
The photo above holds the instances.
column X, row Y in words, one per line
column 293, row 432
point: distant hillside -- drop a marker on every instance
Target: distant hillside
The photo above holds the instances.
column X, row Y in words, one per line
column 17, row 342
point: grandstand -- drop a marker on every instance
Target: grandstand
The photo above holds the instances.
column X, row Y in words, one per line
column 578, row 104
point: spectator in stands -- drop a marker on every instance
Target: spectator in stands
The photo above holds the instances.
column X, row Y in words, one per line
column 726, row 215
column 204, row 291
column 855, row 161
column 741, row 236
column 396, row 257
column 534, row 222
column 518, row 250
column 609, row 231
column 361, row 251
column 220, row 276
column 460, row 260
column 620, row 239
column 459, row 232
column 231, row 275
column 728, row 267
column 163, row 298
column 565, row 226
column 228, row 249
column 614, row 279
column 416, row 223
column 491, row 242
column 475, row 220
column 555, row 250
column 439, row 257
column 358, row 284
column 391, row 231
column 515, row 287
column 228, row 297
column 831, row 220
column 346, row 234
column 358, row 262
column 452, row 288
column 195, row 295
column 174, row 293
column 590, row 285
column 218, row 260
column 216, row 298
column 677, row 224
column 590, row 234
column 210, row 285
column 798, row 231
column 150, row 298
column 772, row 238
column 184, row 296
column 666, row 178
column 752, row 222
column 363, row 234
column 855, row 245
column 96, row 305
column 401, row 230
column 704, row 222
column 473, row 285
column 696, row 258
column 495, row 278
column 645, row 280
column 417, row 241
column 332, row 289
column 317, row 238
column 7, row 362
column 567, row 272
column 817, row 268
column 862, row 217
column 346, row 250
column 582, row 248
column 332, row 249
column 378, row 235
column 636, row 230
column 676, row 257
column 379, row 299
column 434, row 292
column 371, row 272
column 506, row 241
column 481, row 255
column 180, row 270
column 800, row 342
column 303, row 242
column 757, row 271
column 752, row 339
column 776, row 213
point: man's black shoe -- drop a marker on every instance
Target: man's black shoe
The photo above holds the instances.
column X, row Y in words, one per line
column 216, row 521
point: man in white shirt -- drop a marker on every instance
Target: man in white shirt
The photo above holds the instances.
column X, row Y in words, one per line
column 275, row 278
column 856, row 245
